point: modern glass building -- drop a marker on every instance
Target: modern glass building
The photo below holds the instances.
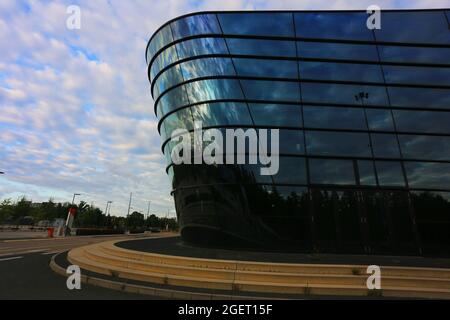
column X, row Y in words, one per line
column 364, row 120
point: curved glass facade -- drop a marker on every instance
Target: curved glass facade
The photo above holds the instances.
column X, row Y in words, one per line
column 364, row 120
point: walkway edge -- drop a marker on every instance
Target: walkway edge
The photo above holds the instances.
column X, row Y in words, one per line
column 147, row 290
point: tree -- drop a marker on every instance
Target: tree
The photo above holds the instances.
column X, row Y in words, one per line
column 22, row 208
column 6, row 210
column 135, row 220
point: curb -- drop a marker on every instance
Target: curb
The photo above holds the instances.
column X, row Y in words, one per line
column 150, row 291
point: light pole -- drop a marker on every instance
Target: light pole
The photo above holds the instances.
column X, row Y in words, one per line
column 1, row 172
column 107, row 204
column 129, row 204
column 74, row 195
column 148, row 209
column 110, row 204
column 71, row 215
column 129, row 207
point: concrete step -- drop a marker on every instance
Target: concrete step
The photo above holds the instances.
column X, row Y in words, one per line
column 390, row 271
column 258, row 276
column 95, row 260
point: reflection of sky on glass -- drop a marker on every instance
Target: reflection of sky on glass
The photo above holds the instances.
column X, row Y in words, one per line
column 390, row 173
column 428, row 175
column 338, row 144
column 425, row 147
column 328, row 171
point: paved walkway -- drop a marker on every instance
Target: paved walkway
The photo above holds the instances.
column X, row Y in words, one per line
column 174, row 246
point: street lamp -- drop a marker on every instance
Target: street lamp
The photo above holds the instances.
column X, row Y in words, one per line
column 148, row 209
column 74, row 195
column 70, row 216
column 108, row 203
column 1, row 172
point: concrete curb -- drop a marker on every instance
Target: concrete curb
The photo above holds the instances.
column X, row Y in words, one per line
column 147, row 290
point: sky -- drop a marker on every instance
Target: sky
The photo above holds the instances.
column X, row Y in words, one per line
column 76, row 113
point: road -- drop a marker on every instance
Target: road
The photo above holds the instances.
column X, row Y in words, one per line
column 25, row 273
column 49, row 245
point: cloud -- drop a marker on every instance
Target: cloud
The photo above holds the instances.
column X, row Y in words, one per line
column 76, row 111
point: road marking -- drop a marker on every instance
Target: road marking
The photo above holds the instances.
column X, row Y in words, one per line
column 37, row 250
column 12, row 258
column 48, row 253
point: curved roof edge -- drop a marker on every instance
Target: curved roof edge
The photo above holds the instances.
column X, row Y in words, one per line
column 266, row 11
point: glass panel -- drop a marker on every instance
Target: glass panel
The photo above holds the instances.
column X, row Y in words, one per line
column 263, row 24
column 380, row 119
column 292, row 171
column 334, row 118
column 432, row 210
column 226, row 113
column 171, row 100
column 420, row 98
column 342, row 93
column 266, row 68
column 333, row 25
column 414, row 27
column 277, row 115
column 167, row 155
column 170, row 173
column 340, row 71
column 207, row 67
column 428, row 175
column 338, row 143
column 385, row 146
column 414, row 54
column 328, row 171
column 367, row 173
column 167, row 79
column 201, row 46
column 325, row 219
column 417, row 75
column 291, row 142
column 207, row 90
column 422, row 121
column 162, row 38
column 354, row 52
column 172, row 143
column 271, row 90
column 390, row 174
column 425, row 147
column 165, row 58
column 195, row 25
column 252, row 174
column 272, row 48
column 182, row 119
column 292, row 201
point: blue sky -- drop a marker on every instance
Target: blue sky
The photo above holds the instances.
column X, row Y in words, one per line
column 76, row 114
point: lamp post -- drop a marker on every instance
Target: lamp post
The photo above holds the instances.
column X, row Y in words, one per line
column 148, row 209
column 71, row 215
column 74, row 195
column 107, row 204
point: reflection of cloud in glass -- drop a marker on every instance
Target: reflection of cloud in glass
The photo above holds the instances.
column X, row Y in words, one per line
column 428, row 175
column 425, row 147
column 390, row 173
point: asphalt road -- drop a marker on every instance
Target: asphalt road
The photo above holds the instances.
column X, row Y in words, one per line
column 50, row 246
column 30, row 277
column 25, row 271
